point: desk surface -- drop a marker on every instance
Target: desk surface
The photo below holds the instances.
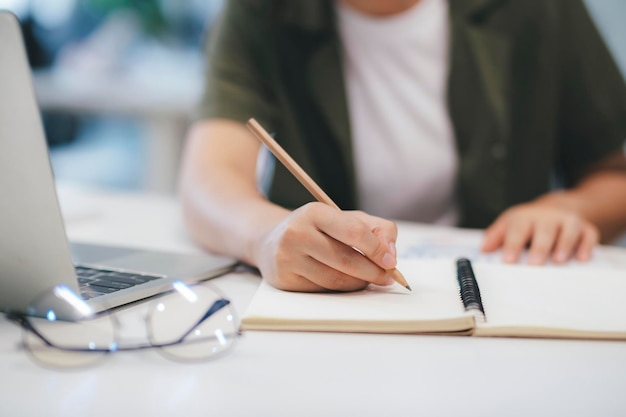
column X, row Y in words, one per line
column 306, row 374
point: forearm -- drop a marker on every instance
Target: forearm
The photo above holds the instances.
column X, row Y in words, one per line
column 223, row 210
column 228, row 221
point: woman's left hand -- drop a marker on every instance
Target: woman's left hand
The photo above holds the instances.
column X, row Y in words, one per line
column 549, row 230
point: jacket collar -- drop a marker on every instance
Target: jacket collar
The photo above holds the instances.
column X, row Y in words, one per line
column 491, row 51
column 475, row 10
column 308, row 15
column 469, row 33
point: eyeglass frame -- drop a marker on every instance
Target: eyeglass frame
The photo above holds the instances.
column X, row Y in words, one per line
column 23, row 320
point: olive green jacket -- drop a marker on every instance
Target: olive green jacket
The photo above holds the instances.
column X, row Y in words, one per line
column 533, row 95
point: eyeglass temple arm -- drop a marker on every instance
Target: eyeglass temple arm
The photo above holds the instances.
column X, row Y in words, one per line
column 23, row 322
column 217, row 306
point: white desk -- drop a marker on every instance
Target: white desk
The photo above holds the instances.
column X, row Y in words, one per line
column 307, row 374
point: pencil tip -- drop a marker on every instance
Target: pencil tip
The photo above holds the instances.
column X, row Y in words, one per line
column 408, row 287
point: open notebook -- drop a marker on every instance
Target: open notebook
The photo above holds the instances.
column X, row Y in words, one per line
column 518, row 301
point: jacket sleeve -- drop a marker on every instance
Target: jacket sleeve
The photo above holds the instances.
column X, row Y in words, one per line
column 236, row 87
column 592, row 116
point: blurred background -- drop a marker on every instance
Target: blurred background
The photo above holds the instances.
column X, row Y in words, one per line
column 118, row 80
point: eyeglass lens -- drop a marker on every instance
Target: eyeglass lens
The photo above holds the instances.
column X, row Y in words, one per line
column 187, row 323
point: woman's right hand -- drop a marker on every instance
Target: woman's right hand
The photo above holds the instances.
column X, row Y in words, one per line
column 313, row 249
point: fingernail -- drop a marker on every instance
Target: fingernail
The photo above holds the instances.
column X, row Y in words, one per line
column 584, row 256
column 389, row 261
column 508, row 257
column 388, row 280
column 535, row 259
column 561, row 256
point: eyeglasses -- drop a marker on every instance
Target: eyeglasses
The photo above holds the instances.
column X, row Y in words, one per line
column 186, row 323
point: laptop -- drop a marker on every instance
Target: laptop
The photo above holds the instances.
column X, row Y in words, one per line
column 35, row 255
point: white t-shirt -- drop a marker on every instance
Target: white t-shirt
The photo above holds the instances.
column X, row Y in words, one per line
column 396, row 71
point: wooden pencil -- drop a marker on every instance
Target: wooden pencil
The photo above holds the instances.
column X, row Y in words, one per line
column 306, row 180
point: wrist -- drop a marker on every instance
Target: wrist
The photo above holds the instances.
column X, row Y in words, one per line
column 268, row 220
column 568, row 200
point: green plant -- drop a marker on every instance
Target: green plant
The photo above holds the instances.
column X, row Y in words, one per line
column 150, row 12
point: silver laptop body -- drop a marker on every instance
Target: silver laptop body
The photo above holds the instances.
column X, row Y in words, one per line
column 35, row 255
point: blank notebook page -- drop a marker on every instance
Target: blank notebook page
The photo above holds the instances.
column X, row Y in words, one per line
column 553, row 297
column 435, row 296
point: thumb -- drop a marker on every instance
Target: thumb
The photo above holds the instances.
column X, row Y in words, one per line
column 493, row 238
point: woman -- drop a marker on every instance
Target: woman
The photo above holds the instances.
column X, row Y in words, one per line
column 458, row 112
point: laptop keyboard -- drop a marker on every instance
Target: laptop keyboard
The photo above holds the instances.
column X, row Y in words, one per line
column 95, row 282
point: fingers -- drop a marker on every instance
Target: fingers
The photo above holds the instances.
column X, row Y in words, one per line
column 571, row 234
column 324, row 279
column 373, row 237
column 590, row 239
column 294, row 270
column 330, row 278
column 544, row 236
column 517, row 236
column 319, row 248
column 313, row 249
column 347, row 261
column 385, row 230
column 569, row 238
column 549, row 233
column 494, row 235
